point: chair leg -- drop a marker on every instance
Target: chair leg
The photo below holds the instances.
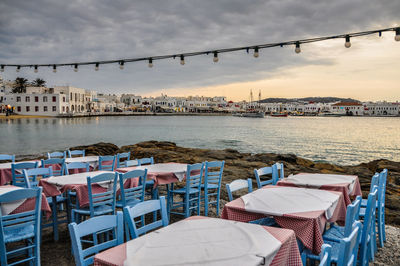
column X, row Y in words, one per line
column 383, row 226
column 54, row 218
column 205, row 203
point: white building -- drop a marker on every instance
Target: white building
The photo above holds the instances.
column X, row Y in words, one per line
column 382, row 108
column 347, row 108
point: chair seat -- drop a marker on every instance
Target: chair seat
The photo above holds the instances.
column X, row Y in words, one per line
column 362, row 212
column 183, row 191
column 267, row 221
column 72, row 193
column 335, row 232
column 364, row 203
column 129, row 203
column 210, row 186
column 59, row 198
column 97, row 210
column 18, row 234
column 334, row 251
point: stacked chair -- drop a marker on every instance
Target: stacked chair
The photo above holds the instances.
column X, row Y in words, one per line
column 125, row 157
column 211, row 187
column 265, row 172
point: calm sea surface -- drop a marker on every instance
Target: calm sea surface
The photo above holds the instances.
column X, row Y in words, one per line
column 341, row 140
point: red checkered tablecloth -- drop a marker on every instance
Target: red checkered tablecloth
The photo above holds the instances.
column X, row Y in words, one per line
column 5, row 176
column 308, row 226
column 288, row 254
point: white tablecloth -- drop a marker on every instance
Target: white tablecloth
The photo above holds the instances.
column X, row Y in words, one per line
column 92, row 160
column 76, row 179
column 178, row 169
column 10, row 206
column 8, row 165
column 286, row 200
column 204, row 242
column 318, row 180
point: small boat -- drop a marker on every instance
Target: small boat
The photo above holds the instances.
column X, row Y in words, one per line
column 279, row 114
column 253, row 114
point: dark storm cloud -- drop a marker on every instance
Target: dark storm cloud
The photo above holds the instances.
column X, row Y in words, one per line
column 48, row 31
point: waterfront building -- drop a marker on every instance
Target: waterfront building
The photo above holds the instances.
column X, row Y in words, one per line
column 131, row 101
column 382, row 108
column 347, row 108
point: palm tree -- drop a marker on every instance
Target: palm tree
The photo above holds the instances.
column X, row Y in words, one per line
column 20, row 85
column 39, row 82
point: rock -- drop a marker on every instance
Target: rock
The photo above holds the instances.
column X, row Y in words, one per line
column 101, row 148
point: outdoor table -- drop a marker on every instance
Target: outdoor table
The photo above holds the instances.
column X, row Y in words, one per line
column 202, row 240
column 300, row 209
column 23, row 205
column 5, row 171
column 92, row 160
column 161, row 173
column 349, row 185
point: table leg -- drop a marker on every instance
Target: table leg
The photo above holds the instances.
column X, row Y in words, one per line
column 54, row 217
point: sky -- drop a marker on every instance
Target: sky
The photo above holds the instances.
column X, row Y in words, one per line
column 48, row 31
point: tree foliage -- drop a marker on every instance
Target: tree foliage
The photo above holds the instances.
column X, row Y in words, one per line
column 38, row 82
column 20, row 85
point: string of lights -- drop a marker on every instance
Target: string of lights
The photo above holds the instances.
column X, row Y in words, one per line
column 255, row 48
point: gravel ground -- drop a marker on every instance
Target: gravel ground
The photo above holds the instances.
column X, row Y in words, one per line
column 390, row 253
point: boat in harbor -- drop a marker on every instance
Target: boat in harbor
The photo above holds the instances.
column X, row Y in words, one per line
column 253, row 109
column 279, row 114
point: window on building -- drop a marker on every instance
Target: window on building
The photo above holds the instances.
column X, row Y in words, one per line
column 70, row 98
column 44, row 108
column 54, row 108
column 36, row 99
column 27, row 108
column 63, row 99
column 44, row 99
column 54, row 99
column 18, row 108
column 63, row 108
column 36, row 108
column 18, row 98
column 27, row 99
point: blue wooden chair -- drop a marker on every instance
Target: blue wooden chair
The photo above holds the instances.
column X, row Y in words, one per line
column 281, row 171
column 262, row 172
column 99, row 203
column 335, row 232
column 132, row 196
column 190, row 194
column 132, row 163
column 31, row 179
column 238, row 184
column 149, row 183
column 6, row 157
column 211, row 187
column 17, row 172
column 144, row 161
column 124, row 155
column 78, row 153
column 57, row 154
column 23, row 227
column 111, row 225
column 107, row 163
column 76, row 165
column 343, row 253
column 325, row 258
column 140, row 210
column 57, row 164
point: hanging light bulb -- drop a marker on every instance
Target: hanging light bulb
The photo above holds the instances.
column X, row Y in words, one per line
column 96, row 67
column 182, row 60
column 256, row 54
column 347, row 44
column 297, row 50
column 36, row 69
column 121, row 65
column 397, row 37
column 54, row 68
column 2, row 68
column 215, row 59
column 150, row 62
column 76, row 68
column 18, row 68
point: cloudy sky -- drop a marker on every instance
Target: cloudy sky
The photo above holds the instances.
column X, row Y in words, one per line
column 48, row 31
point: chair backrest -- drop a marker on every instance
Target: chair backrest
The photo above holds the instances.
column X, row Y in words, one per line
column 132, row 163
column 351, row 215
column 18, row 175
column 272, row 170
column 382, row 187
column 325, row 257
column 20, row 220
column 194, row 174
column 369, row 219
column 143, row 161
column 134, row 193
column 57, row 164
column 104, row 224
column 31, row 176
column 124, row 155
column 143, row 208
column 374, row 182
column 348, row 248
column 107, row 163
column 6, row 157
column 281, row 171
column 213, row 173
column 237, row 185
column 103, row 198
column 76, row 153
column 56, row 154
column 76, row 165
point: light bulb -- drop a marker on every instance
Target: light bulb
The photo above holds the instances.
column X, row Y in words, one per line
column 36, row 69
column 150, row 62
column 215, row 59
column 2, row 68
column 347, row 44
column 54, row 69
column 256, row 54
column 18, row 68
column 297, row 50
column 182, row 60
column 397, row 37
column 121, row 65
column 76, row 68
column 96, row 68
